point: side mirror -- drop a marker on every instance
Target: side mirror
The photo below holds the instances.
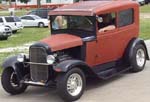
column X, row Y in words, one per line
column 99, row 19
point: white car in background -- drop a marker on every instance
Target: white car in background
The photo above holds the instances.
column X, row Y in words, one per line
column 141, row 2
column 34, row 21
column 18, row 22
column 5, row 32
column 9, row 22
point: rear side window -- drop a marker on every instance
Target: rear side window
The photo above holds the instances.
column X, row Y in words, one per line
column 1, row 20
column 23, row 17
column 9, row 19
column 126, row 17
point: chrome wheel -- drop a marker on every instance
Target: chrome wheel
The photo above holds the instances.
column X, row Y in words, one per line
column 140, row 57
column 74, row 84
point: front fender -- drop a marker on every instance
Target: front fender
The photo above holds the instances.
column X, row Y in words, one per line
column 12, row 62
column 69, row 64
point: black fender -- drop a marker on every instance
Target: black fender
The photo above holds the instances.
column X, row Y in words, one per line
column 65, row 66
column 12, row 62
column 130, row 48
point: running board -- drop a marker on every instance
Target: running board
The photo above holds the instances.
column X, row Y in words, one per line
column 34, row 83
column 112, row 72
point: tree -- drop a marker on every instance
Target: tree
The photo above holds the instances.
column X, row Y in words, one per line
column 9, row 2
column 38, row 3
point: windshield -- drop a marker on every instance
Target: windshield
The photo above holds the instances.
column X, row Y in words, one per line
column 73, row 23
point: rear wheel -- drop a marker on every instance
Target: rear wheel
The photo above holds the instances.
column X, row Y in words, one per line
column 71, row 85
column 138, row 58
column 4, row 38
column 10, row 82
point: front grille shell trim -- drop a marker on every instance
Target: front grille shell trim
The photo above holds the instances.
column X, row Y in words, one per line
column 39, row 72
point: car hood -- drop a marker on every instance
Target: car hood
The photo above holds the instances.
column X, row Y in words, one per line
column 62, row 41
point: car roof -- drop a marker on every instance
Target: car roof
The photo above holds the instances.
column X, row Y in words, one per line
column 91, row 7
column 29, row 15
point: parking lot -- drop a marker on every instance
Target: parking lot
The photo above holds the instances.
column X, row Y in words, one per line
column 128, row 87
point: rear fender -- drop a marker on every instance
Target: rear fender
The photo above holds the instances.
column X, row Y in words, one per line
column 130, row 48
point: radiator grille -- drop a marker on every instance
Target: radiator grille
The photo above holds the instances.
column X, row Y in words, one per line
column 38, row 72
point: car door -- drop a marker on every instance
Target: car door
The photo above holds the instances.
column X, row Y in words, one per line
column 106, row 39
column 24, row 21
column 30, row 21
column 9, row 21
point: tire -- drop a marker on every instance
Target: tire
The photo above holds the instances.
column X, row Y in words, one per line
column 64, row 79
column 7, row 74
column 15, row 31
column 138, row 59
column 3, row 38
column 41, row 25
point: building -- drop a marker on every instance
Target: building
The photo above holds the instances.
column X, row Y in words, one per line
column 44, row 3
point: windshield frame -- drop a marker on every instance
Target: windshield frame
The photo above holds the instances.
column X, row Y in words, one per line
column 77, row 32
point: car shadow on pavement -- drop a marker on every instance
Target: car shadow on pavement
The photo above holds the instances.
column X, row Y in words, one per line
column 93, row 83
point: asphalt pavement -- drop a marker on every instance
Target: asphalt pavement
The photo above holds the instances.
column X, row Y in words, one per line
column 127, row 87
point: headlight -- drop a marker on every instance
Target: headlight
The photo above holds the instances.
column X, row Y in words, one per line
column 50, row 59
column 21, row 57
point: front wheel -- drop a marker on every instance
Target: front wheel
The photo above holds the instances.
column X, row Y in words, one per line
column 71, row 85
column 138, row 58
column 41, row 25
column 10, row 82
column 4, row 38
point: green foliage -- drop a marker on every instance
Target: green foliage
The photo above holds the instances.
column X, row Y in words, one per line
column 145, row 9
column 24, row 36
column 145, row 28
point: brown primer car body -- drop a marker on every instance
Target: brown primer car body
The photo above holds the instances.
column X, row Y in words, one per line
column 67, row 57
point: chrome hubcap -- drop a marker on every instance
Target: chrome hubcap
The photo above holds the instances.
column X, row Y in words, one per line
column 140, row 57
column 74, row 84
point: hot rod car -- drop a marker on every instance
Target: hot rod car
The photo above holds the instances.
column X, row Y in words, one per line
column 91, row 38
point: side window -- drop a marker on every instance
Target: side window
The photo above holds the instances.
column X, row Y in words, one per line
column 9, row 19
column 29, row 18
column 1, row 20
column 106, row 22
column 23, row 17
column 126, row 17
